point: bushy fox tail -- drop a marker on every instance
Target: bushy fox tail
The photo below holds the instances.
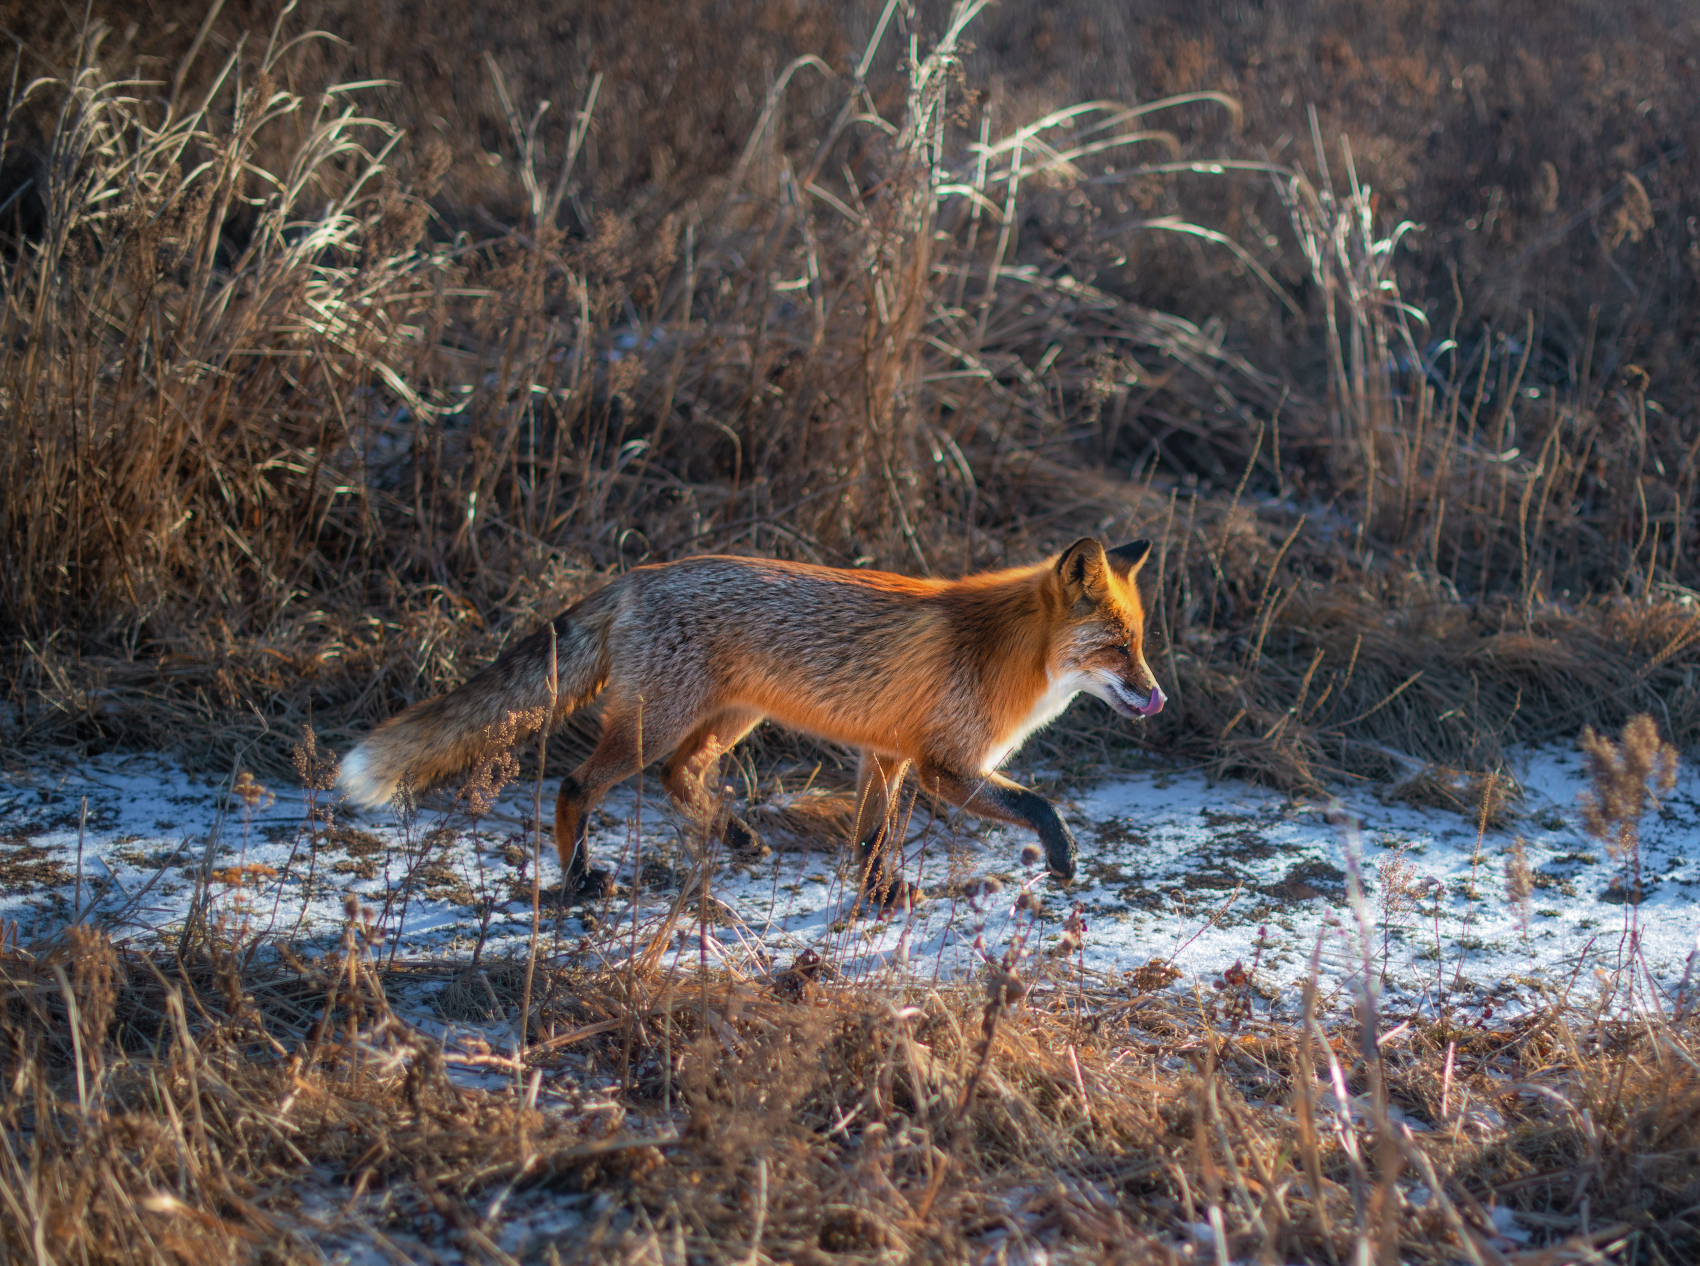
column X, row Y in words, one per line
column 502, row 705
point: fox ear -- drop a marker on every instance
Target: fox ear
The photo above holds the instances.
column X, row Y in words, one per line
column 1081, row 568
column 1129, row 558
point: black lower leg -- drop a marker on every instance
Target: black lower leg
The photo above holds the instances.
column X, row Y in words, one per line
column 1038, row 812
column 577, row 876
column 995, row 797
column 882, row 885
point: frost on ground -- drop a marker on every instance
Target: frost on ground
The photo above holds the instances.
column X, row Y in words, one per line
column 1173, row 868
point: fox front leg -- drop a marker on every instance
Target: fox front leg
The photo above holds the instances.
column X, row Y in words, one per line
column 995, row 797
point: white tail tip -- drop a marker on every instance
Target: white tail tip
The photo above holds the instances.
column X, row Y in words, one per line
column 359, row 783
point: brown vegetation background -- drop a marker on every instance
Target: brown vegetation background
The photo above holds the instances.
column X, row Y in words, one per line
column 1414, row 500
column 330, row 361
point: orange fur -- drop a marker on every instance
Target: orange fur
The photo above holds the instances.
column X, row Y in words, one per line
column 945, row 677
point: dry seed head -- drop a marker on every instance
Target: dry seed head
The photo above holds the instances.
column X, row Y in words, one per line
column 1030, row 855
column 236, row 876
column 251, row 793
column 1622, row 777
column 370, row 929
column 624, row 375
column 610, row 247
column 500, row 767
column 1235, row 977
column 1493, row 789
column 1107, row 372
column 1639, row 206
column 1004, row 987
column 1519, row 881
column 1156, row 974
column 487, row 782
column 664, row 245
column 1398, row 884
column 1546, row 188
column 317, row 771
column 433, row 164
column 402, row 205
column 1633, row 216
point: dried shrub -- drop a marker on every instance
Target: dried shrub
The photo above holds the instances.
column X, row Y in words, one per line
column 672, row 314
column 164, row 1108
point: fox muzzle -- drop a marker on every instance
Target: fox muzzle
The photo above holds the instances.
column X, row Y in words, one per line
column 1129, row 701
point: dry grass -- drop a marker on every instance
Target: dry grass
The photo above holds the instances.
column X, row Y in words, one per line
column 210, row 1107
column 225, row 1099
column 307, row 414
column 316, row 389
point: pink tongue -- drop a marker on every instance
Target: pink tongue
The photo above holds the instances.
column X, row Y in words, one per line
column 1154, row 704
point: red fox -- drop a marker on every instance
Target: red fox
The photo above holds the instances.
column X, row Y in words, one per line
column 945, row 676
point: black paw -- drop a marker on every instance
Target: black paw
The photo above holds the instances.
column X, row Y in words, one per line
column 1060, row 851
column 743, row 841
column 591, row 885
column 883, row 894
column 1061, row 854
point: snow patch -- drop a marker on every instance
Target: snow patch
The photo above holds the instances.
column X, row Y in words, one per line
column 1172, row 868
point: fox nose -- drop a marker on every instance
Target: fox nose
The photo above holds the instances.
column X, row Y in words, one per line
column 1154, row 704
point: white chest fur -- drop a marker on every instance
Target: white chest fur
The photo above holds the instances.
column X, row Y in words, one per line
column 1047, row 708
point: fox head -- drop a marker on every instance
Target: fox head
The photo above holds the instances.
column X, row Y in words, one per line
column 1102, row 648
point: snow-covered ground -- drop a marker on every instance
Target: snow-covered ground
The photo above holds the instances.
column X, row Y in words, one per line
column 1172, row 868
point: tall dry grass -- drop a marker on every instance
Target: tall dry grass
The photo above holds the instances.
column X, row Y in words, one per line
column 310, row 403
column 307, row 414
column 207, row 1103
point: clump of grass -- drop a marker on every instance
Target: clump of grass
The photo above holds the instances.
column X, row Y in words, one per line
column 1519, row 887
column 172, row 1105
column 1624, row 778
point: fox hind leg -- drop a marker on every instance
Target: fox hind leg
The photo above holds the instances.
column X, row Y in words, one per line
column 615, row 759
column 695, row 765
column 878, row 780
